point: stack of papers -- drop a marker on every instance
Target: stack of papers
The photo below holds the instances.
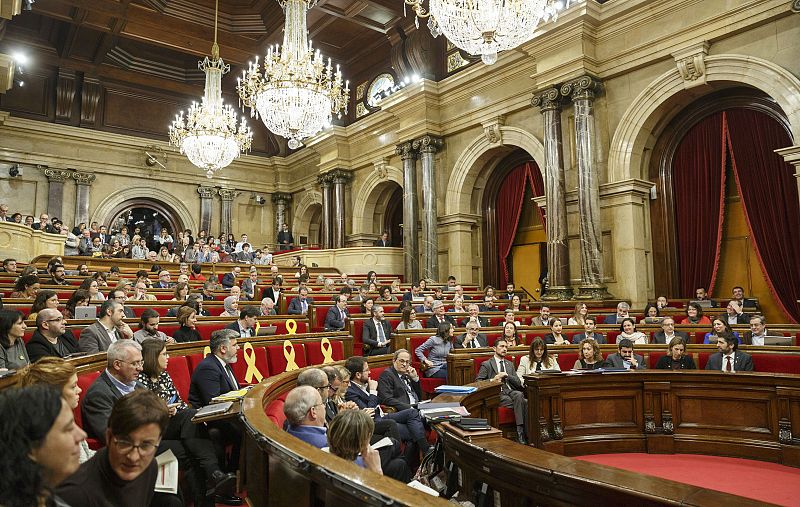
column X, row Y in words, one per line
column 231, row 395
column 456, row 389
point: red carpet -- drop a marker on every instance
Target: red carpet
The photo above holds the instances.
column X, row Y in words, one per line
column 767, row 482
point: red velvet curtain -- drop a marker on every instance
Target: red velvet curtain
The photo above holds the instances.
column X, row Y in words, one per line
column 509, row 208
column 537, row 186
column 768, row 190
column 698, row 178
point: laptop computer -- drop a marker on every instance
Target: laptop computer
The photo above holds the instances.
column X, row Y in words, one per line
column 85, row 312
column 267, row 330
column 703, row 303
column 777, row 340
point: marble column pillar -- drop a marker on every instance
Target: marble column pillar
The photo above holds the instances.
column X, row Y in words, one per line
column 326, row 233
column 428, row 146
column 549, row 103
column 55, row 191
column 410, row 231
column 84, row 182
column 227, row 195
column 340, row 179
column 791, row 155
column 582, row 93
column 206, row 207
column 281, row 201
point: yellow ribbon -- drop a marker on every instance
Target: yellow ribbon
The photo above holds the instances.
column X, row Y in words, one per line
column 252, row 369
column 206, row 351
column 258, row 326
column 291, row 326
column 288, row 353
column 327, row 351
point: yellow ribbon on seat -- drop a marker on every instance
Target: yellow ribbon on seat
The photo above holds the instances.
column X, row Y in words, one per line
column 291, row 326
column 258, row 326
column 206, row 351
column 327, row 351
column 289, row 354
column 252, row 369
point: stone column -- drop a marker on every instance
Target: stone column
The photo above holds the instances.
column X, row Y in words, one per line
column 410, row 232
column 549, row 103
column 206, row 207
column 84, row 182
column 227, row 195
column 582, row 93
column 281, row 201
column 428, row 146
column 340, row 179
column 791, row 155
column 326, row 233
column 55, row 191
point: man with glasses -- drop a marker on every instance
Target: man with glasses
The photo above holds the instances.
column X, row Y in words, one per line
column 125, row 470
column 120, row 297
column 668, row 332
column 474, row 310
column 472, row 339
column 58, row 275
column 398, row 385
column 107, row 330
column 44, row 224
column 51, row 337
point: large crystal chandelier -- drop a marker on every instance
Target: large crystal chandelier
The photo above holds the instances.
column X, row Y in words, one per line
column 208, row 135
column 297, row 93
column 485, row 27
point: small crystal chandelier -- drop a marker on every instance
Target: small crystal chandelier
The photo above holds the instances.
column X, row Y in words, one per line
column 297, row 94
column 485, row 27
column 208, row 135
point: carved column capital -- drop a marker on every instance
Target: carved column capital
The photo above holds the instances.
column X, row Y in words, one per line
column 428, row 144
column 324, row 180
column 281, row 197
column 340, row 176
column 583, row 87
column 491, row 129
column 227, row 194
column 206, row 192
column 83, row 178
column 56, row 175
column 547, row 100
column 406, row 151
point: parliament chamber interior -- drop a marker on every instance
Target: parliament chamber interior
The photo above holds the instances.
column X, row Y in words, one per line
column 373, row 252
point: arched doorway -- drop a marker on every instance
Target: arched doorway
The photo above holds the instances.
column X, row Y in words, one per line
column 149, row 215
column 393, row 216
column 314, row 238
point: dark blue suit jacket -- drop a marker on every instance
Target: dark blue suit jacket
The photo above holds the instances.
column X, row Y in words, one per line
column 360, row 397
column 333, row 321
column 209, row 379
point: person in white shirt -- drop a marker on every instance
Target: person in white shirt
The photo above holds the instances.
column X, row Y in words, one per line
column 758, row 330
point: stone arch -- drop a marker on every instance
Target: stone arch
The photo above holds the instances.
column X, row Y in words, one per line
column 666, row 96
column 108, row 206
column 372, row 189
column 470, row 171
column 305, row 209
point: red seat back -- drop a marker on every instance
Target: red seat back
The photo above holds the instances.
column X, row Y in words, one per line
column 240, row 367
column 84, row 381
column 314, row 353
column 478, row 361
column 178, row 369
column 277, row 361
column 653, row 358
column 566, row 360
column 193, row 360
column 777, row 363
column 703, row 359
column 275, row 412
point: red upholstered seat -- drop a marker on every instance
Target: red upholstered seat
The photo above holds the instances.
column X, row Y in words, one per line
column 611, row 337
column 703, row 359
column 698, row 336
column 600, row 318
column 275, row 412
column 178, row 369
column 777, row 363
column 358, row 329
column 28, row 334
column 280, row 325
column 375, row 372
column 314, row 354
column 566, row 360
column 206, row 328
column 240, row 366
column 505, row 416
column 277, row 361
column 168, row 329
column 84, row 381
column 214, row 310
column 478, row 361
column 320, row 312
column 193, row 360
column 496, row 321
column 653, row 358
column 413, row 343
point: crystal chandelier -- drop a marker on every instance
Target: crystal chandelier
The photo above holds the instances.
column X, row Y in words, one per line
column 296, row 94
column 485, row 27
column 208, row 135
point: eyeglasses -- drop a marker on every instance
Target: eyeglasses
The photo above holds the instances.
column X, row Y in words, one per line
column 58, row 319
column 404, row 361
column 135, row 364
column 322, row 388
column 145, row 448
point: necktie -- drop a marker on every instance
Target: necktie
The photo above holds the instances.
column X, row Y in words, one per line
column 412, row 398
column 504, row 386
column 231, row 377
column 728, row 366
column 341, row 313
column 304, row 305
column 381, row 336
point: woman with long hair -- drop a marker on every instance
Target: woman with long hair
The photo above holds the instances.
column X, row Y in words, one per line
column 26, row 287
column 590, row 357
column 537, row 359
column 41, row 445
column 367, row 305
column 92, row 286
column 555, row 336
column 180, row 291
column 13, row 354
column 349, row 433
column 510, row 334
column 409, row 319
column 80, row 297
column 437, row 348
column 187, row 318
column 578, row 316
column 627, row 328
column 652, row 315
column 44, row 299
column 718, row 326
column 516, row 303
column 62, row 375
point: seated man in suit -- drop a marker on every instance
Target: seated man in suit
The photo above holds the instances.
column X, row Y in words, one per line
column 274, row 291
column 299, row 305
column 377, row 333
column 474, row 310
column 120, row 297
column 415, row 294
column 735, row 313
column 338, row 315
column 509, row 295
column 140, row 292
column 700, row 294
column 489, row 304
column 758, row 332
column 622, row 312
column 512, row 394
column 472, row 339
column 625, row 358
column 383, row 241
column 398, row 385
column 439, row 316
column 668, row 332
column 245, row 325
column 108, row 329
column 738, row 295
column 363, row 392
column 51, row 337
column 543, row 319
column 589, row 324
column 729, row 359
column 229, row 280
column 426, row 306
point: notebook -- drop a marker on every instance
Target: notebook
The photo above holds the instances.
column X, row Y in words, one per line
column 85, row 312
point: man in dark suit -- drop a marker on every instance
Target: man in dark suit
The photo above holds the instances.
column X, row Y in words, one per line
column 383, row 241
column 337, row 316
column 245, row 325
column 120, row 297
column 109, row 328
column 285, row 238
column 512, row 395
column 164, row 280
column 398, row 385
column 700, row 294
column 377, row 333
column 750, row 303
column 509, row 295
column 363, row 392
column 625, row 358
column 299, row 305
column 589, row 324
column 439, row 316
column 474, row 310
column 274, row 291
column 51, row 337
column 736, row 314
column 414, row 294
column 622, row 312
column 729, row 359
column 472, row 339
column 668, row 332
column 229, row 279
